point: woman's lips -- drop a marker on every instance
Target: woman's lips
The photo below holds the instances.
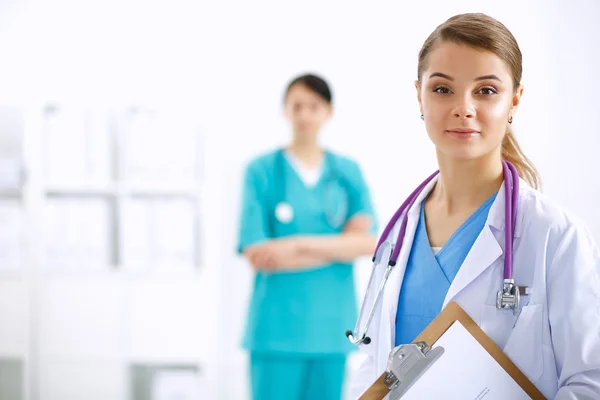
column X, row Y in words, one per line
column 463, row 133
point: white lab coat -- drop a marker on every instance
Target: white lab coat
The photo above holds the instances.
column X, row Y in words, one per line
column 555, row 340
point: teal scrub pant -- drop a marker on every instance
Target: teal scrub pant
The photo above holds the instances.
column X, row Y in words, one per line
column 283, row 377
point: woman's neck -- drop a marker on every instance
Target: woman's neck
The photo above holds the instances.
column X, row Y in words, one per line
column 465, row 185
column 307, row 151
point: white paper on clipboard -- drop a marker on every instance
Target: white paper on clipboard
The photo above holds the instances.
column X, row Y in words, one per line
column 465, row 371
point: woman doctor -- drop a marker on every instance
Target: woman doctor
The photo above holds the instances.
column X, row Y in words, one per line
column 468, row 88
column 306, row 215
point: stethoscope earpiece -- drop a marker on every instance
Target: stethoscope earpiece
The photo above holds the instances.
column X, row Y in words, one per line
column 364, row 340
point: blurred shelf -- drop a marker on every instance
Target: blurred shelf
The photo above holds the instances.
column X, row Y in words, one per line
column 78, row 271
column 185, row 188
column 114, row 191
column 104, row 190
column 11, row 193
column 161, row 273
column 192, row 363
column 12, row 274
column 163, row 192
column 12, row 356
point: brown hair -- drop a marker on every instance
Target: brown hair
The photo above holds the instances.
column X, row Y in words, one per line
column 483, row 32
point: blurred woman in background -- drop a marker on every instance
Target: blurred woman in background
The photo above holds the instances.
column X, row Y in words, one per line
column 306, row 215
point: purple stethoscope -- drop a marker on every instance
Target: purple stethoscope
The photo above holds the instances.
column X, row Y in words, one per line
column 507, row 298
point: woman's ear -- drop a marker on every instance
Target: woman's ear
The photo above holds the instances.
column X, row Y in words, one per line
column 418, row 88
column 516, row 100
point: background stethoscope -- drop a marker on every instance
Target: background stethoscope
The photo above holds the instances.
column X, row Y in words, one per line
column 507, row 298
column 335, row 196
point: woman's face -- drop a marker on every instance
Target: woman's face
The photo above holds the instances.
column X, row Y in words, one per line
column 306, row 110
column 467, row 98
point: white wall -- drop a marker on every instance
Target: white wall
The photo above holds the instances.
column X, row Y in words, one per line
column 229, row 61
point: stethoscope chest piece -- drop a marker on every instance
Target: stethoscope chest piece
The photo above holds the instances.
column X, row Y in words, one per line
column 509, row 298
column 284, row 212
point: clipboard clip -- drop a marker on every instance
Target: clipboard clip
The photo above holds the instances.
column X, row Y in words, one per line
column 406, row 364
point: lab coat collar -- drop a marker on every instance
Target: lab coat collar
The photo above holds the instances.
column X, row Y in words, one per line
column 487, row 248
column 484, row 252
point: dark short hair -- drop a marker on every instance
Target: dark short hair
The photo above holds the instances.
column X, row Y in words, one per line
column 313, row 83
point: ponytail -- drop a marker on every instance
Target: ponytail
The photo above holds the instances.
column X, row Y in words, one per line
column 511, row 151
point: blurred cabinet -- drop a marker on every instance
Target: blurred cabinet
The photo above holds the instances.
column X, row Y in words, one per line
column 87, row 135
column 12, row 174
column 12, row 239
column 78, row 232
column 12, row 178
column 11, row 379
column 165, row 382
column 100, row 253
column 122, row 189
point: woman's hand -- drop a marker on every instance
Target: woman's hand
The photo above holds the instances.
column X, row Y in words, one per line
column 302, row 252
column 273, row 255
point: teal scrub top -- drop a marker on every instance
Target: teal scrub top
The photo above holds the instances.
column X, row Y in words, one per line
column 428, row 277
column 303, row 312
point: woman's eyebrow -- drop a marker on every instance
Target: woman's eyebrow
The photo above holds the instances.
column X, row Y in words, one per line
column 481, row 78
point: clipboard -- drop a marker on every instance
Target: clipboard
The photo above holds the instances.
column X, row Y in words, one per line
column 422, row 353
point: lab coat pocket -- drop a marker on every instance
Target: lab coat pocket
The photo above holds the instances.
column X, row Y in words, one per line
column 524, row 346
column 497, row 324
column 520, row 336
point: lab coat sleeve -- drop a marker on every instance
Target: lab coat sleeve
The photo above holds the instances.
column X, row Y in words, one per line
column 574, row 313
column 359, row 198
column 254, row 223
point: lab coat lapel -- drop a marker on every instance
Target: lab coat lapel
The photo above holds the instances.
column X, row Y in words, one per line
column 485, row 250
column 390, row 296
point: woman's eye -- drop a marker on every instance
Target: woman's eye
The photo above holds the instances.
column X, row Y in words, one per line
column 441, row 90
column 488, row 91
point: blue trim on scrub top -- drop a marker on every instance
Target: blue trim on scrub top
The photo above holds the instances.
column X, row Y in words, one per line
column 428, row 277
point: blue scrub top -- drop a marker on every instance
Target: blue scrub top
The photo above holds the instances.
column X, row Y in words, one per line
column 304, row 312
column 428, row 277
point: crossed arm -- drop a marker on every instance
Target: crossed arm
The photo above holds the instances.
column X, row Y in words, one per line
column 298, row 252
